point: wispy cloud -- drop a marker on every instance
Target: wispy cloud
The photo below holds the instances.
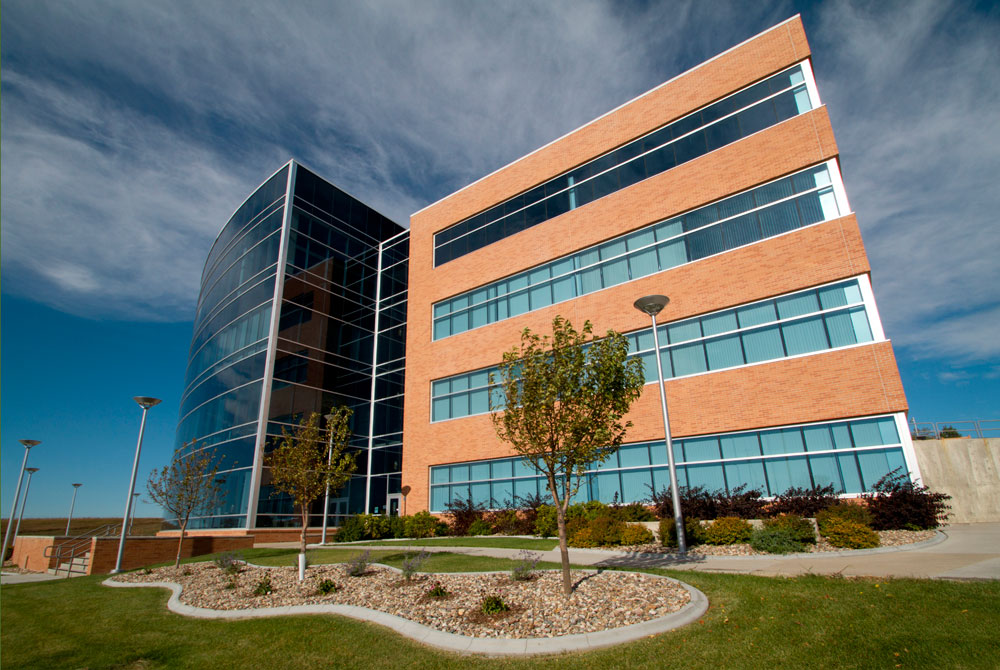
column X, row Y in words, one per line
column 132, row 130
column 914, row 94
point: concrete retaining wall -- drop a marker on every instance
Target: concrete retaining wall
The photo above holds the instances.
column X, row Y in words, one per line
column 968, row 470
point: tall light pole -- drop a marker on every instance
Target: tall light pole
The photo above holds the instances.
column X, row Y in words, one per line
column 28, row 444
column 135, row 503
column 69, row 520
column 326, row 496
column 145, row 403
column 24, row 503
column 651, row 305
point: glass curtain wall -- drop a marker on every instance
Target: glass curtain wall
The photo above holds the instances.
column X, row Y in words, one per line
column 326, row 332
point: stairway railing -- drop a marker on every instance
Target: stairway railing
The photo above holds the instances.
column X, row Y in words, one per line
column 78, row 546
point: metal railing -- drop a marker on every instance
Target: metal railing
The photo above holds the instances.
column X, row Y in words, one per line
column 936, row 430
column 66, row 553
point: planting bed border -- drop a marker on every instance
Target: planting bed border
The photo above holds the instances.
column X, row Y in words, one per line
column 464, row 644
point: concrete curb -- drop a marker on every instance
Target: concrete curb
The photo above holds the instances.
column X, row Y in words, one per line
column 697, row 606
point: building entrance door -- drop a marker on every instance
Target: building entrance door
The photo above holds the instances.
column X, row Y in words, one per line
column 395, row 501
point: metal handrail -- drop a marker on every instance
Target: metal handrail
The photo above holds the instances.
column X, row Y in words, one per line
column 978, row 428
column 79, row 545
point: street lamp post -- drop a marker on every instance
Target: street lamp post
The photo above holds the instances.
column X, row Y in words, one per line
column 24, row 503
column 135, row 503
column 326, row 496
column 28, row 444
column 69, row 520
column 651, row 305
column 144, row 402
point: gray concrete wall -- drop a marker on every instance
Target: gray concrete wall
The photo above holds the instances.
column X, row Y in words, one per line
column 968, row 470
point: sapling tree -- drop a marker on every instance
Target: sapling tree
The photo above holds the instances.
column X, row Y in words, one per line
column 184, row 486
column 559, row 402
column 308, row 459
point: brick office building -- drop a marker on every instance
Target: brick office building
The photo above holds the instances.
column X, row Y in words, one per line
column 721, row 188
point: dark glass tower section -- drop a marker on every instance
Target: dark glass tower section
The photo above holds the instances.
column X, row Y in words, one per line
column 335, row 338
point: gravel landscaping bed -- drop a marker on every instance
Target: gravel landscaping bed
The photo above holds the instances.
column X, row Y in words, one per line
column 601, row 600
column 887, row 538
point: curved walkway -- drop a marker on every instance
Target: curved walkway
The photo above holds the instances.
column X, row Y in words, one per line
column 960, row 551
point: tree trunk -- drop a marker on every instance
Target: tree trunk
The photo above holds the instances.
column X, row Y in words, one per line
column 305, row 527
column 564, row 551
column 180, row 544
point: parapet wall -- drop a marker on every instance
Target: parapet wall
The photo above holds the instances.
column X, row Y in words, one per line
column 967, row 469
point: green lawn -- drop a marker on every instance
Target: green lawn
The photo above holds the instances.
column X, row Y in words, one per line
column 754, row 622
column 496, row 541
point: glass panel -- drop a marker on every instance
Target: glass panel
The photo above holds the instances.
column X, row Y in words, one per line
column 763, row 345
column 782, row 441
column 643, row 263
column 688, row 359
column 480, row 493
column 701, row 449
column 832, row 296
column 797, row 305
column 739, row 446
column 826, row 471
column 635, row 485
column 786, row 473
column 754, row 315
column 525, row 487
column 841, row 436
column 439, row 498
column 849, row 472
column 634, row 455
column 502, row 492
column 441, row 409
column 887, row 429
column 479, row 402
column 541, row 296
column 724, row 352
column 684, row 331
column 563, row 289
column 459, row 405
column 866, row 433
column 709, row 476
column 746, row 473
column 615, row 272
column 861, row 328
column 841, row 329
column 719, row 323
column 818, row 438
column 804, row 336
column 502, row 468
column 672, row 254
column 874, row 466
column 460, row 473
column 608, row 487
column 779, row 219
column 439, row 475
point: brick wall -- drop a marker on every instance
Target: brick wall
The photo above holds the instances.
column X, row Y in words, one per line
column 851, row 382
column 140, row 551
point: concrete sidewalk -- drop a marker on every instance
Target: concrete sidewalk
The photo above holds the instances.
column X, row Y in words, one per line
column 962, row 551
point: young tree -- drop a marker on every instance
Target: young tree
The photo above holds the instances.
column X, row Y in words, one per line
column 561, row 409
column 310, row 458
column 184, row 486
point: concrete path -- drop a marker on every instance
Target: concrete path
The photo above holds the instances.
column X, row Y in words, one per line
column 16, row 578
column 960, row 551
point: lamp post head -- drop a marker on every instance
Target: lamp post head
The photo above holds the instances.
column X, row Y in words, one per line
column 76, row 486
column 146, row 402
column 28, row 444
column 651, row 304
column 31, row 471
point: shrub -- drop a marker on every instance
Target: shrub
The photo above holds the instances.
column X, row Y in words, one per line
column 351, row 530
column 728, row 530
column 264, row 587
column 421, row 524
column 775, row 540
column 493, row 603
column 739, row 502
column 606, row 531
column 804, row 502
column 479, row 527
column 632, row 512
column 442, row 529
column 583, row 539
column 397, row 526
column 850, row 534
column 634, row 535
column 898, row 503
column 696, row 502
column 437, row 591
column 462, row 512
column 358, row 565
column 376, row 526
column 545, row 521
column 327, row 586
column 846, row 511
column 412, row 565
column 527, row 512
column 503, row 522
column 800, row 529
column 694, row 532
column 229, row 562
column 524, row 569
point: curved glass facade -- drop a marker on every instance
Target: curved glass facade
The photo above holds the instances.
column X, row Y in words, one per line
column 290, row 321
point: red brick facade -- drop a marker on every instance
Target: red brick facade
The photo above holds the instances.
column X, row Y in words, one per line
column 851, row 382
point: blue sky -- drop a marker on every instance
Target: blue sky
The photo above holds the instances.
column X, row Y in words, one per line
column 131, row 131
